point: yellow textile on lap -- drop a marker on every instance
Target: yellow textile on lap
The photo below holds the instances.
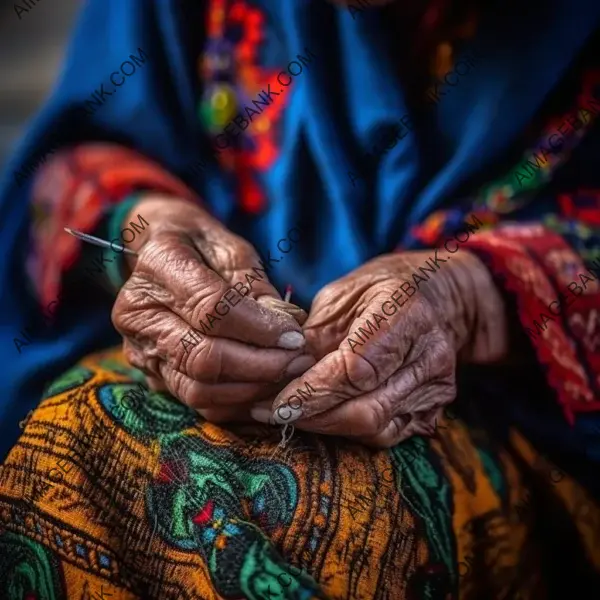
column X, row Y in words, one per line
column 113, row 489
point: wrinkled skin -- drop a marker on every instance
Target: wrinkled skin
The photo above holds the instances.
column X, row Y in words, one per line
column 392, row 386
column 395, row 384
column 187, row 261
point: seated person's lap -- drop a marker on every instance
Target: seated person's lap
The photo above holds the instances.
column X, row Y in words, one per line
column 115, row 489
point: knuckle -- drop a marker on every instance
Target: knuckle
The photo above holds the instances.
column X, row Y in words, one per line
column 417, row 371
column 132, row 356
column 450, row 393
column 425, row 313
column 176, row 383
column 117, row 315
column 187, row 360
column 398, row 425
column 445, row 351
column 439, row 356
column 120, row 309
column 156, row 255
column 245, row 251
column 235, row 253
column 136, row 295
column 377, row 417
column 360, row 374
column 206, row 364
column 203, row 299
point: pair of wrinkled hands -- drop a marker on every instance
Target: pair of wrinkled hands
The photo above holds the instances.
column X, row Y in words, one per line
column 389, row 388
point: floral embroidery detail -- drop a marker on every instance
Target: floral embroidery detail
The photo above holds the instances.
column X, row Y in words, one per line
column 234, row 78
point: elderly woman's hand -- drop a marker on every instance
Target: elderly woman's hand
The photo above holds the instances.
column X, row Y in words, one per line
column 191, row 272
column 388, row 345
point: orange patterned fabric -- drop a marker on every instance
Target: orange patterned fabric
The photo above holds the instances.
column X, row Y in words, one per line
column 113, row 489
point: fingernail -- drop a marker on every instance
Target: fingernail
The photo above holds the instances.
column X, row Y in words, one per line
column 299, row 365
column 286, row 414
column 291, row 340
column 262, row 414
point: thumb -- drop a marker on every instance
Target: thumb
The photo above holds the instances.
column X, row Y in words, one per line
column 287, row 307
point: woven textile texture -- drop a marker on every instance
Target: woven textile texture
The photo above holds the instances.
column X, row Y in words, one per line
column 113, row 489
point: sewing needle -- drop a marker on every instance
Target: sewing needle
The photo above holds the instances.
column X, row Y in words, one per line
column 96, row 241
column 92, row 239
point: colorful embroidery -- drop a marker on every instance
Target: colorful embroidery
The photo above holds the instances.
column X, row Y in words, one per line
column 165, row 505
column 508, row 193
column 540, row 162
column 524, row 257
column 234, row 78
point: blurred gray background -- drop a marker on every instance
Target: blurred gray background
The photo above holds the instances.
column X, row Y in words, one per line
column 31, row 51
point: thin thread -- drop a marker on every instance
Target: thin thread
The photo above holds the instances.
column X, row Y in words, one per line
column 284, row 438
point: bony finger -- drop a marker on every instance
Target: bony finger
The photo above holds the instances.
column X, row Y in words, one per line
column 210, row 305
column 196, row 394
column 297, row 367
column 252, row 323
column 263, row 413
column 219, row 359
column 334, row 380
